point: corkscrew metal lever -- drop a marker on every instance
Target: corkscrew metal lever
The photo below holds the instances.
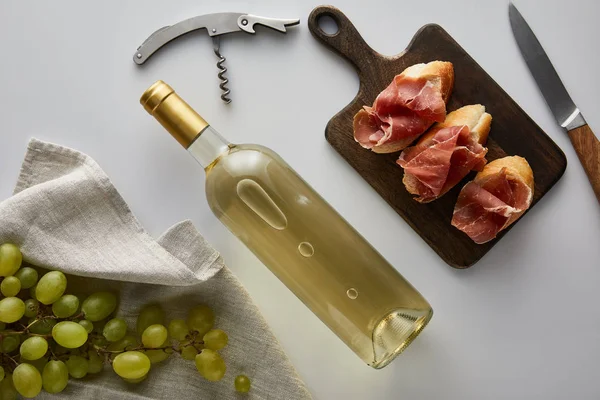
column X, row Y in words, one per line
column 216, row 25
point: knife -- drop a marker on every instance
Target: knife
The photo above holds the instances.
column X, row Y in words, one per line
column 565, row 111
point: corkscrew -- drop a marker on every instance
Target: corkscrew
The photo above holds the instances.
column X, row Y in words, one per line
column 216, row 25
column 222, row 69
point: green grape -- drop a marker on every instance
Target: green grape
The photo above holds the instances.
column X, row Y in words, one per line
column 128, row 342
column 78, row 366
column 210, row 365
column 215, row 339
column 99, row 305
column 154, row 336
column 69, row 334
column 27, row 380
column 81, row 298
column 131, row 365
column 58, row 350
column 32, row 291
column 1, row 373
column 10, row 259
column 42, row 327
column 66, row 306
column 10, row 343
column 201, row 319
column 50, row 287
column 189, row 353
column 99, row 326
column 178, row 329
column 31, row 308
column 100, row 341
column 11, row 309
column 39, row 364
column 115, row 329
column 28, row 277
column 10, row 286
column 34, row 348
column 149, row 315
column 87, row 325
column 55, row 376
column 96, row 362
column 7, row 388
column 135, row 380
column 156, row 356
column 242, row 384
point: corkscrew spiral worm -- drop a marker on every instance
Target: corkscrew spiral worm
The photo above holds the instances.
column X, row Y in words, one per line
column 222, row 70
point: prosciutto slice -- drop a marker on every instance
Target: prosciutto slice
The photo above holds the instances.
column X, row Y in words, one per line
column 486, row 207
column 434, row 166
column 406, row 108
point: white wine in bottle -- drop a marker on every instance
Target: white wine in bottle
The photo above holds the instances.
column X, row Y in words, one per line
column 299, row 236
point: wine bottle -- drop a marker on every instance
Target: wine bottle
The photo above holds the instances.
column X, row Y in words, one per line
column 325, row 262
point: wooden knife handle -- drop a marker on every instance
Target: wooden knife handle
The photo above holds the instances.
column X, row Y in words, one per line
column 587, row 147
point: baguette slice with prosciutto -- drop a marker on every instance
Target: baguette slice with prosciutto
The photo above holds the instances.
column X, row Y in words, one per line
column 412, row 102
column 447, row 153
column 496, row 198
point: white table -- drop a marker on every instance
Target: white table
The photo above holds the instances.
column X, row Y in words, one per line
column 523, row 323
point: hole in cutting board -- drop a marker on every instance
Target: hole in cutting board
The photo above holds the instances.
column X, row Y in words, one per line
column 328, row 25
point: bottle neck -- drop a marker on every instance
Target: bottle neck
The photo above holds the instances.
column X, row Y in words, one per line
column 208, row 147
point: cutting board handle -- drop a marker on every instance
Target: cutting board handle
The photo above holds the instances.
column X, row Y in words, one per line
column 347, row 42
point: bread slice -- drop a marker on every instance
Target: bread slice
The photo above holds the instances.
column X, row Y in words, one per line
column 474, row 117
column 395, row 146
column 441, row 75
column 517, row 169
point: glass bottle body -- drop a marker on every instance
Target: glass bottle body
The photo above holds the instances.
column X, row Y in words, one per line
column 325, row 262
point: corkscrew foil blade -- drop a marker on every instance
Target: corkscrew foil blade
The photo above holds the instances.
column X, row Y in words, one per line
column 247, row 22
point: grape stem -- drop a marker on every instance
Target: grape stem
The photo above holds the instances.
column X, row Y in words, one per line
column 139, row 348
column 72, row 318
column 176, row 349
column 35, row 321
column 25, row 330
column 4, row 356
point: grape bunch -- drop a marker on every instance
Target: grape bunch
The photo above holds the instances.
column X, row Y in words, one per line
column 48, row 336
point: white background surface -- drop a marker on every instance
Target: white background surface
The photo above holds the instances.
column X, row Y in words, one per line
column 524, row 323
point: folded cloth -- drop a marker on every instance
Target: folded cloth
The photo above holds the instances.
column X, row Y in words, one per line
column 67, row 215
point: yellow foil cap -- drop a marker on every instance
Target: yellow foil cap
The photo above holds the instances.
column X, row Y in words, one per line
column 177, row 117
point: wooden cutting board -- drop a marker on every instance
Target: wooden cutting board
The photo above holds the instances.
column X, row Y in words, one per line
column 513, row 131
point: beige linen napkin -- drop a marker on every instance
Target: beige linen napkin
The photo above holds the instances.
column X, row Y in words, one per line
column 67, row 215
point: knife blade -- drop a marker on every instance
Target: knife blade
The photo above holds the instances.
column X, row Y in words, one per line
column 565, row 111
